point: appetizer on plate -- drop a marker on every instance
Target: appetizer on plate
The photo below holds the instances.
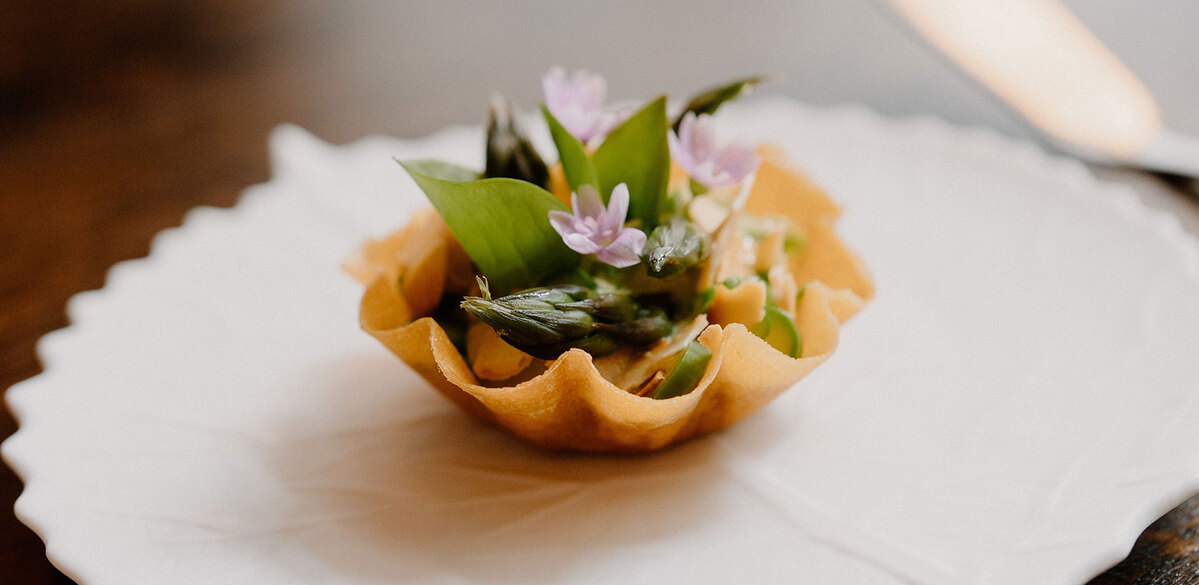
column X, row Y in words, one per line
column 653, row 285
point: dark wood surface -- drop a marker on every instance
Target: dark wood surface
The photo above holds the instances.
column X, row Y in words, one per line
column 116, row 118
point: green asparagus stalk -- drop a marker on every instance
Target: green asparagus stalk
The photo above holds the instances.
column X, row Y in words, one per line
column 530, row 318
column 673, row 247
column 616, row 306
column 687, row 373
column 648, row 327
column 546, row 321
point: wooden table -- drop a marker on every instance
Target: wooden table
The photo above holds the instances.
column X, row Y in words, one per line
column 115, row 121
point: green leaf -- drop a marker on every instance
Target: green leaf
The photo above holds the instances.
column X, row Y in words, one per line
column 683, row 378
column 502, row 224
column 636, row 153
column 709, row 101
column 439, row 169
column 576, row 165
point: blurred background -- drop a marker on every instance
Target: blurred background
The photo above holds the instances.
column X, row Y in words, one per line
column 345, row 69
column 117, row 117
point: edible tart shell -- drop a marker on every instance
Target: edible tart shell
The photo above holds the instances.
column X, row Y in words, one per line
column 570, row 406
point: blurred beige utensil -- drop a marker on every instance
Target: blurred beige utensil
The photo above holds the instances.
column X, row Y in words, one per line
column 1040, row 59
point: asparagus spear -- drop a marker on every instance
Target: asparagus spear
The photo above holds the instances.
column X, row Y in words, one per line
column 616, row 306
column 531, row 318
column 546, row 321
column 648, row 327
column 673, row 247
column 509, row 152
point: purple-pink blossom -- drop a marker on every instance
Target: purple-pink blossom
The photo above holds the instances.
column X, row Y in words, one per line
column 695, row 149
column 577, row 102
column 591, row 228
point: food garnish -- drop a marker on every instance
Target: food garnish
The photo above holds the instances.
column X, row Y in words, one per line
column 652, row 285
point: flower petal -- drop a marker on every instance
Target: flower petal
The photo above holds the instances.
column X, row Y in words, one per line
column 562, row 222
column 678, row 153
column 701, row 138
column 577, row 102
column 685, row 128
column 587, row 203
column 737, row 161
column 734, row 155
column 553, row 83
column 618, row 209
column 706, row 172
column 625, row 250
column 590, row 89
column 582, row 124
column 743, row 168
column 581, row 243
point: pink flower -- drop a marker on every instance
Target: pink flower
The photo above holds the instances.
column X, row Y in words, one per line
column 592, row 229
column 578, row 103
column 695, row 149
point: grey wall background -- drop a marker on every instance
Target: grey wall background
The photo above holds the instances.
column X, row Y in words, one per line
column 439, row 60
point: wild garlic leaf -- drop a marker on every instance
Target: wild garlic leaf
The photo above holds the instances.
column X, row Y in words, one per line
column 439, row 169
column 709, row 101
column 501, row 223
column 576, row 165
column 636, row 153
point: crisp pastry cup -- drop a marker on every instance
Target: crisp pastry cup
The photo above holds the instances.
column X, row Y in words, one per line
column 570, row 405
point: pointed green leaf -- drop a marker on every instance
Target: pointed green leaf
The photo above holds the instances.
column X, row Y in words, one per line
column 576, row 165
column 439, row 169
column 709, row 101
column 636, row 153
column 501, row 223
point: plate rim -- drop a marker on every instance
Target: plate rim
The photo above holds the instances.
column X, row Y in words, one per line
column 33, row 509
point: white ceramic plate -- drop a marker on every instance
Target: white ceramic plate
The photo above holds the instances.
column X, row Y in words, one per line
column 1014, row 407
